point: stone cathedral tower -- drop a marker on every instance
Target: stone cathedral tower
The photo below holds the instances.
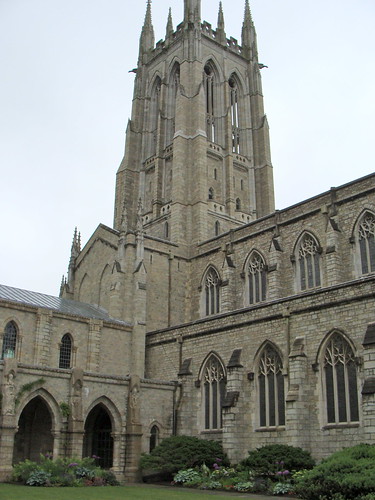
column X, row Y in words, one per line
column 197, row 156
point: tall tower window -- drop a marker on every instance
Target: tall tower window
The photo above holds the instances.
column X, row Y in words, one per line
column 271, row 389
column 65, row 356
column 9, row 341
column 234, row 115
column 154, row 116
column 209, row 83
column 213, row 392
column 340, row 374
column 308, row 262
column 174, row 84
column 212, row 292
column 366, row 237
column 257, row 277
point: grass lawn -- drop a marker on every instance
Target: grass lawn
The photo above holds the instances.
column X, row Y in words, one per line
column 15, row 492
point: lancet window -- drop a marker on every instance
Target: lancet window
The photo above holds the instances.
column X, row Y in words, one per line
column 174, row 84
column 309, row 262
column 212, row 292
column 209, row 84
column 213, row 383
column 154, row 437
column 340, row 374
column 65, row 356
column 257, row 278
column 9, row 340
column 154, row 116
column 234, row 115
column 271, row 389
column 366, row 238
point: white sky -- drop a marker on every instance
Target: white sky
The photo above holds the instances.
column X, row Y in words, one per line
column 65, row 98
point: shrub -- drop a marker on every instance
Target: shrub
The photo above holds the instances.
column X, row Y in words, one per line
column 274, row 458
column 38, row 478
column 183, row 452
column 348, row 474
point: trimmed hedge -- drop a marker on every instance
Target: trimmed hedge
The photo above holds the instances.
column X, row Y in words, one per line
column 348, row 474
column 183, row 452
column 270, row 459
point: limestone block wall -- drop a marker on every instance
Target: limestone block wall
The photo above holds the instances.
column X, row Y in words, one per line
column 304, row 320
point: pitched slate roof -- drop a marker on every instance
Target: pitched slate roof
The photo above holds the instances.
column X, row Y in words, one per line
column 64, row 306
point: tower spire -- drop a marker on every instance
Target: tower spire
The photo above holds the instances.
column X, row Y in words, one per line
column 192, row 12
column 147, row 40
column 169, row 24
column 220, row 31
column 248, row 34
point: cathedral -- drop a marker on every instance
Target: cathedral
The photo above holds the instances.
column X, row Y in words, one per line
column 203, row 311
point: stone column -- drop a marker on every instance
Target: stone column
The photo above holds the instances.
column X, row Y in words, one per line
column 133, row 432
column 75, row 421
column 8, row 425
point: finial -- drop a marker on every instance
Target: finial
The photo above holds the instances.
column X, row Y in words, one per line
column 147, row 40
column 220, row 32
column 169, row 24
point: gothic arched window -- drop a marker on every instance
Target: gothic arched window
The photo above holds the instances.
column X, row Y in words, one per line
column 212, row 292
column 271, row 389
column 174, row 83
column 366, row 238
column 209, row 86
column 238, row 204
column 308, row 258
column 211, row 193
column 217, row 228
column 154, row 116
column 65, row 356
column 340, row 381
column 154, row 437
column 9, row 340
column 213, row 384
column 257, row 277
column 234, row 115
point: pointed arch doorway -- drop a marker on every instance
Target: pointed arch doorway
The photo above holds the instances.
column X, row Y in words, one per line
column 34, row 436
column 98, row 440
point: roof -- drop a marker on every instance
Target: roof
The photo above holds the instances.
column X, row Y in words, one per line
column 64, row 306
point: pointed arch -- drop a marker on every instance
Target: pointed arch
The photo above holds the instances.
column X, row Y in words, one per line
column 217, row 228
column 211, row 193
column 211, row 291
column 339, row 378
column 271, row 391
column 154, row 436
column 104, row 285
column 235, row 91
column 84, row 290
column 255, row 278
column 307, row 255
column 211, row 89
column 65, row 351
column 154, row 112
column 173, row 89
column 364, row 237
column 10, row 337
column 212, row 376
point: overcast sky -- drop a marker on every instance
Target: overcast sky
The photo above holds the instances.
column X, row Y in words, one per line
column 65, row 98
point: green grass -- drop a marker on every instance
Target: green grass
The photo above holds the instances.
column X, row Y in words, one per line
column 15, row 492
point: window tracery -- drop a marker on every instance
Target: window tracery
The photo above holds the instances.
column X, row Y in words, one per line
column 212, row 292
column 234, row 115
column 309, row 263
column 65, row 352
column 366, row 236
column 209, row 84
column 214, row 391
column 340, row 374
column 257, row 276
column 271, row 389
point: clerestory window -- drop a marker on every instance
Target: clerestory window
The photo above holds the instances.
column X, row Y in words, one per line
column 366, row 238
column 65, row 356
column 9, row 340
column 212, row 292
column 308, row 260
column 257, row 278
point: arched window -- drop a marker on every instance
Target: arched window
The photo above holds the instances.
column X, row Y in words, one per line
column 257, row 277
column 238, row 204
column 212, row 292
column 308, row 257
column 366, row 238
column 174, row 84
column 211, row 193
column 217, row 228
column 166, row 230
column 65, row 357
column 213, row 384
column 271, row 389
column 209, row 85
column 154, row 437
column 9, row 341
column 340, row 381
column 154, row 116
column 234, row 115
